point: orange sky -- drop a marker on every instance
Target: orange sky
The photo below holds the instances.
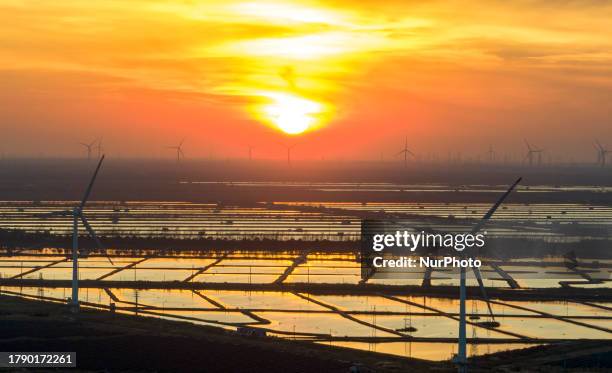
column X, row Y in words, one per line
column 354, row 76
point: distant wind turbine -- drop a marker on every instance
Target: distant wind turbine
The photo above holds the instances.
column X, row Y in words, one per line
column 179, row 150
column 602, row 154
column 251, row 152
column 89, row 148
column 491, row 153
column 289, row 147
column 532, row 152
column 406, row 151
column 99, row 148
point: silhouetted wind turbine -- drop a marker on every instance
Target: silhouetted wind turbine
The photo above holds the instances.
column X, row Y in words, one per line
column 598, row 150
column 251, row 152
column 461, row 358
column 289, row 147
column 531, row 152
column 89, row 148
column 179, row 150
column 99, row 147
column 77, row 214
column 491, row 153
column 406, row 151
column 602, row 154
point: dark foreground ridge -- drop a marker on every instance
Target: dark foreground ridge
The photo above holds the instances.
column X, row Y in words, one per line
column 114, row 342
column 111, row 342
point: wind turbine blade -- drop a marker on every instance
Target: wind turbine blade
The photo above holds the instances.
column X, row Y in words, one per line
column 401, row 152
column 181, row 143
column 526, row 143
column 91, row 182
column 599, row 145
column 478, row 276
column 493, row 208
column 93, row 235
column 181, row 152
column 411, row 153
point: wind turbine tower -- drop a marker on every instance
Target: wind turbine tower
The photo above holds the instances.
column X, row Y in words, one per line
column 251, row 152
column 289, row 147
column 533, row 154
column 602, row 154
column 491, row 154
column 406, row 151
column 99, row 148
column 179, row 150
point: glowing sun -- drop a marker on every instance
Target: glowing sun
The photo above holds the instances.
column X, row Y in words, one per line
column 291, row 114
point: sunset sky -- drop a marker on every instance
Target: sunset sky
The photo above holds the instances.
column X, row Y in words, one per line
column 341, row 79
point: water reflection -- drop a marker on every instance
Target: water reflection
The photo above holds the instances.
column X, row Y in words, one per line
column 290, row 316
column 370, row 321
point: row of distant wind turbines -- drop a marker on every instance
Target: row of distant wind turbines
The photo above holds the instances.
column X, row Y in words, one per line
column 96, row 145
column 533, row 156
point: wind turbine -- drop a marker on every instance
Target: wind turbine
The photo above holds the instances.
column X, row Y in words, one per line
column 99, row 147
column 289, row 147
column 602, row 154
column 250, row 152
column 491, row 153
column 179, row 150
column 531, row 152
column 598, row 150
column 461, row 358
column 77, row 214
column 89, row 148
column 406, row 151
